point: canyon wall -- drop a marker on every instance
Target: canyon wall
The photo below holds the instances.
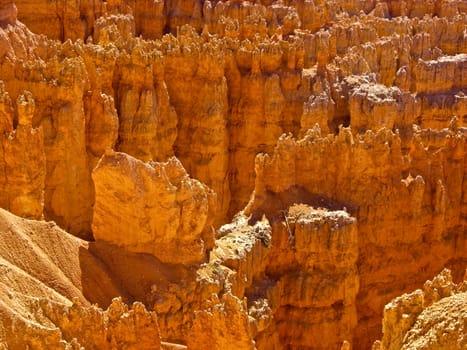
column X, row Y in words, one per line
column 409, row 199
column 417, row 320
column 260, row 174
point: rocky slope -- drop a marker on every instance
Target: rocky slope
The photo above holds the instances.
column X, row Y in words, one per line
column 49, row 279
column 258, row 174
column 432, row 318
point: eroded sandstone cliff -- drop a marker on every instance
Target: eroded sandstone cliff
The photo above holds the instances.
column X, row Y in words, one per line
column 258, row 174
column 430, row 318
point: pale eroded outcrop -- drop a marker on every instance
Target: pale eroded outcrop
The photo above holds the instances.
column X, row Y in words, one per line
column 153, row 208
column 23, row 159
column 430, row 318
column 260, row 173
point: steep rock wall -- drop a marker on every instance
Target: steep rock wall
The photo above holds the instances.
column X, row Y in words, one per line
column 152, row 208
column 222, row 82
column 388, row 180
column 416, row 320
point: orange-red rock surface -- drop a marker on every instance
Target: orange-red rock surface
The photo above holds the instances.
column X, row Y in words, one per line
column 247, row 174
column 152, row 208
column 430, row 318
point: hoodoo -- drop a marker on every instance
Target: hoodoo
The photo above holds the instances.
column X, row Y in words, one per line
column 228, row 175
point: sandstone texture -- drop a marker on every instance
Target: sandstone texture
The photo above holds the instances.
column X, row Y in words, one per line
column 430, row 318
column 225, row 174
column 152, row 208
column 48, row 280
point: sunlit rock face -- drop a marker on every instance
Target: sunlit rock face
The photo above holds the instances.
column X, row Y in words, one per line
column 232, row 174
column 418, row 320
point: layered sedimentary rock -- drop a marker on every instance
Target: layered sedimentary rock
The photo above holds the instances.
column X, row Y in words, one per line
column 297, row 272
column 75, row 326
column 259, row 173
column 49, row 280
column 195, row 68
column 23, row 158
column 9, row 13
column 223, row 325
column 143, row 85
column 373, row 106
column 430, row 318
column 152, row 208
column 57, row 88
column 388, row 180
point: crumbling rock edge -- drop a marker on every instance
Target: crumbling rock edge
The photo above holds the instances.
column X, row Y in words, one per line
column 258, row 174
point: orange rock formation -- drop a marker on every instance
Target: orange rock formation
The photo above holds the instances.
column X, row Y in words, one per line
column 432, row 318
column 247, row 174
column 156, row 208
